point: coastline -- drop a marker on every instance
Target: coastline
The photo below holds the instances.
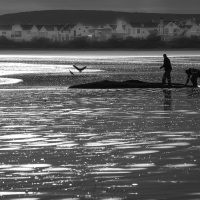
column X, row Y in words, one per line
column 83, row 52
column 99, row 49
column 60, row 80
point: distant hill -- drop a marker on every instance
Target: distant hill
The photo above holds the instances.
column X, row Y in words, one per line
column 87, row 17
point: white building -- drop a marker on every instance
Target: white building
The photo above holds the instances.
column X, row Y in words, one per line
column 24, row 32
column 105, row 32
column 17, row 32
column 192, row 30
column 172, row 30
column 48, row 31
column 34, row 32
column 168, row 30
column 66, row 31
column 6, row 31
column 72, row 31
column 61, row 34
column 27, row 32
column 120, row 28
column 141, row 30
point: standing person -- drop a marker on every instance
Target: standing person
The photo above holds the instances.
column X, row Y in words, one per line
column 194, row 74
column 168, row 68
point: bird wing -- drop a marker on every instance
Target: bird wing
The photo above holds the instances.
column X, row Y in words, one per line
column 76, row 67
column 83, row 68
column 71, row 72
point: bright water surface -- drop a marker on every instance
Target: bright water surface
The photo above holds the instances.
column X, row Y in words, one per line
column 61, row 143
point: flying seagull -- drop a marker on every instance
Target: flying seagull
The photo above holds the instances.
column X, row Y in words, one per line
column 79, row 69
column 71, row 72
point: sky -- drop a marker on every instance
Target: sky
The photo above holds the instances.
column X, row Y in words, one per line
column 150, row 6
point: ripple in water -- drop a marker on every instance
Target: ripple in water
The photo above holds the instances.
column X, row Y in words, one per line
column 109, row 144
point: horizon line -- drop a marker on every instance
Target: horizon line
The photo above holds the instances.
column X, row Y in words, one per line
column 124, row 11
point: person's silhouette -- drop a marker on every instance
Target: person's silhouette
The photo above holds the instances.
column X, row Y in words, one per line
column 193, row 75
column 168, row 68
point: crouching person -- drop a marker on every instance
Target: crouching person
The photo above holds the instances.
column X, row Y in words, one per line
column 192, row 75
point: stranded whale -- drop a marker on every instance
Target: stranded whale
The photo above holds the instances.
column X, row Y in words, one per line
column 106, row 84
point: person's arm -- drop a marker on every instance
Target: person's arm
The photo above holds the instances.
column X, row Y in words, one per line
column 162, row 66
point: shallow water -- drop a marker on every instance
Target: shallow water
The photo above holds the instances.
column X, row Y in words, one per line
column 60, row 143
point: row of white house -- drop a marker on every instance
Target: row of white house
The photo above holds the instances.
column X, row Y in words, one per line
column 176, row 29
column 167, row 31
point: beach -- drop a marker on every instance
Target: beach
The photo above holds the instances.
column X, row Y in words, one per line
column 127, row 143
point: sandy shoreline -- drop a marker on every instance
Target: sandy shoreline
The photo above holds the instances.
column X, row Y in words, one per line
column 39, row 79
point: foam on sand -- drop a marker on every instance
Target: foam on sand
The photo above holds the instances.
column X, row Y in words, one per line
column 6, row 81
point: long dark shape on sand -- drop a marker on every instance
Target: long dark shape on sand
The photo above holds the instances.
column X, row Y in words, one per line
column 125, row 84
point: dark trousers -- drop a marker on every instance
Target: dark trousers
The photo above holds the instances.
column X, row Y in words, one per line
column 194, row 80
column 166, row 75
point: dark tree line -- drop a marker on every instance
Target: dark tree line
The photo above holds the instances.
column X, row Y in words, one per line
column 152, row 42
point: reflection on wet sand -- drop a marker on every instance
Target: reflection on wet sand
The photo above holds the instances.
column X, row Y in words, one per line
column 94, row 145
column 167, row 99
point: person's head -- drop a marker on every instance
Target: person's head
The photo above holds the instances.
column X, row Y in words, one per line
column 164, row 55
column 188, row 71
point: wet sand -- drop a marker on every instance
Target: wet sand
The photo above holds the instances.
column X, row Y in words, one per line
column 82, row 81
